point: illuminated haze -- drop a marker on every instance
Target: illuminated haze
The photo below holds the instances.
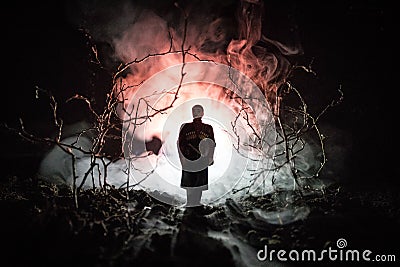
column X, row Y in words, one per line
column 135, row 31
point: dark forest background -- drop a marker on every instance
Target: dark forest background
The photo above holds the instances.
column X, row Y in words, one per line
column 351, row 44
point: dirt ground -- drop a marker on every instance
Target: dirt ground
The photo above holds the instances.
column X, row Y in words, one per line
column 40, row 226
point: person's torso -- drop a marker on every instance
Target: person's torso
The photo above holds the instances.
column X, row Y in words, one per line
column 192, row 134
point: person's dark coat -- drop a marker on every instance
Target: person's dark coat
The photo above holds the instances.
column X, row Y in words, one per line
column 196, row 145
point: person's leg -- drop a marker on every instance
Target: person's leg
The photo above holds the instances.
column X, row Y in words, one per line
column 193, row 196
column 197, row 196
column 189, row 197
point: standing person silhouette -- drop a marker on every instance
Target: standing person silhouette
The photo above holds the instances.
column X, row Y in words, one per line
column 196, row 145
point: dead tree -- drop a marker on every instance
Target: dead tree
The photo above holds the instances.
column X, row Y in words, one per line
column 292, row 124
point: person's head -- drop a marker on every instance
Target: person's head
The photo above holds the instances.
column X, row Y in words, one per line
column 197, row 111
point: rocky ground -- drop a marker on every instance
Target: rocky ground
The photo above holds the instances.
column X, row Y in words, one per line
column 42, row 227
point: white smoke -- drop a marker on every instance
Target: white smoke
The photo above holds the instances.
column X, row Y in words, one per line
column 135, row 33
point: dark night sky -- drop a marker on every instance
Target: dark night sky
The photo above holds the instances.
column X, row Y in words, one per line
column 351, row 42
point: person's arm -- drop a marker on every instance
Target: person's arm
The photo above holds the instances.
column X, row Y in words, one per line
column 212, row 147
column 179, row 144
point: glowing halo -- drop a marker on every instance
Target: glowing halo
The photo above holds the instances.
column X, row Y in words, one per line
column 225, row 93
